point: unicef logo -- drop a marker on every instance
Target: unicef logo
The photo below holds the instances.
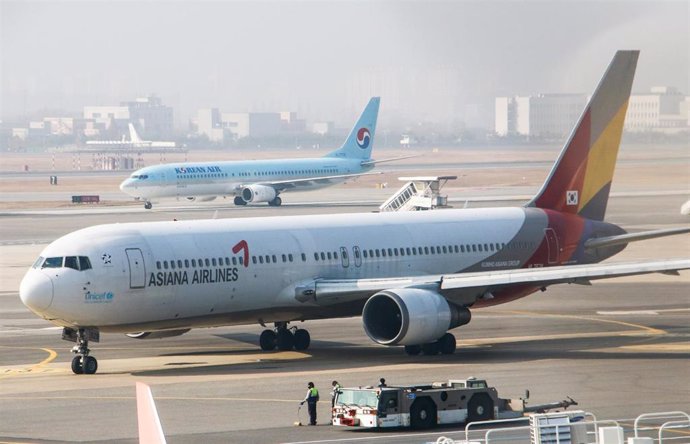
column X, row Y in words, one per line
column 363, row 138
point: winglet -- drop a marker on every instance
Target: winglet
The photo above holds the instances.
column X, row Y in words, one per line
column 359, row 143
column 150, row 430
column 580, row 181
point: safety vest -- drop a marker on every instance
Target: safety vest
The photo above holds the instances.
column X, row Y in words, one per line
column 313, row 394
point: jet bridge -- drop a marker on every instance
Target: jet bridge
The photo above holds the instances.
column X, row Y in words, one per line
column 418, row 193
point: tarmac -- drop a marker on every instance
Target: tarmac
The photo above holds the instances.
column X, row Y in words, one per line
column 620, row 347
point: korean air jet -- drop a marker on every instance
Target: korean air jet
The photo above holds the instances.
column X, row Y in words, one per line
column 412, row 276
column 255, row 181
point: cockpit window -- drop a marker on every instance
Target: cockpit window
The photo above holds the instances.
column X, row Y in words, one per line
column 140, row 176
column 84, row 263
column 72, row 262
column 52, row 262
column 38, row 262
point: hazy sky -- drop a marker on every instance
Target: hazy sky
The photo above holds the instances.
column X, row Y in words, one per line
column 428, row 60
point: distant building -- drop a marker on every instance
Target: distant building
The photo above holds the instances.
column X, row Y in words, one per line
column 150, row 116
column 664, row 110
column 221, row 126
column 323, row 128
column 542, row 115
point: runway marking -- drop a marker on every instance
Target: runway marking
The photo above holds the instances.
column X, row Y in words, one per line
column 6, row 373
column 642, row 312
column 157, row 398
column 672, row 347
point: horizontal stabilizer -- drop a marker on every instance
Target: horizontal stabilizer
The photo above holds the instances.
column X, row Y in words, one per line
column 390, row 159
column 610, row 241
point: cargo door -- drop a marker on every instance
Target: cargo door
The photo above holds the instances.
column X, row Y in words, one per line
column 137, row 271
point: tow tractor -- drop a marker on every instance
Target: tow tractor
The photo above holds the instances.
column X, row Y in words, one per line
column 425, row 406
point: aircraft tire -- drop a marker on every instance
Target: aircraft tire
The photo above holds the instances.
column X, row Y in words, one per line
column 77, row 368
column 285, row 340
column 239, row 201
column 275, row 202
column 431, row 348
column 90, row 365
column 267, row 340
column 148, row 205
column 447, row 344
column 413, row 350
column 302, row 339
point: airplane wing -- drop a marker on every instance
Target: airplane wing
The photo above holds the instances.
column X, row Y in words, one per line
column 466, row 288
column 292, row 184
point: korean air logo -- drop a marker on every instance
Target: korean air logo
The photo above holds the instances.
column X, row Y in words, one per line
column 363, row 138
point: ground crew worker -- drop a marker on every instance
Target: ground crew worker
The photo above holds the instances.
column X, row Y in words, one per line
column 382, row 383
column 334, row 392
column 311, row 399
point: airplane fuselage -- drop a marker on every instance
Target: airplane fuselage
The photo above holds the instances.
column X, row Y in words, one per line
column 184, row 274
column 226, row 178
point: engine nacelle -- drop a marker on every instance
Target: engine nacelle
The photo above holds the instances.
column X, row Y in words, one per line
column 201, row 199
column 410, row 316
column 258, row 193
column 158, row 334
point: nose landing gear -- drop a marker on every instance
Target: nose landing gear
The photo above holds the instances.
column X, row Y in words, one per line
column 82, row 363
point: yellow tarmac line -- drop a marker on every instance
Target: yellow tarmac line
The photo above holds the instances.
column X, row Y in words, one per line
column 650, row 330
column 52, row 354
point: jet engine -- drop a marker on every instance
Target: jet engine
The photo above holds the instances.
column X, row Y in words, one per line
column 410, row 316
column 258, row 193
column 158, row 334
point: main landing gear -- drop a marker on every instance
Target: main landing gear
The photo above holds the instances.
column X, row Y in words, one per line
column 148, row 205
column 445, row 346
column 284, row 338
column 82, row 362
column 276, row 202
column 239, row 201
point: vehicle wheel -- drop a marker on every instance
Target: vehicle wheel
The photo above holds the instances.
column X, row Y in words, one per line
column 77, row 368
column 90, row 365
column 148, row 205
column 285, row 340
column 239, row 201
column 302, row 339
column 276, row 202
column 447, row 344
column 480, row 408
column 422, row 414
column 267, row 340
column 430, row 349
column 413, row 350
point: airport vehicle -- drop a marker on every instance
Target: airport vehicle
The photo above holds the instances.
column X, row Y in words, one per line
column 412, row 276
column 425, row 406
column 134, row 141
column 256, row 181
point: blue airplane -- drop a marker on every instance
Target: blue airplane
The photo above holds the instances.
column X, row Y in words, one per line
column 255, row 181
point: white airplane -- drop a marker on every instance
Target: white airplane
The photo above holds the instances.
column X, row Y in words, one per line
column 134, row 141
column 412, row 276
column 260, row 180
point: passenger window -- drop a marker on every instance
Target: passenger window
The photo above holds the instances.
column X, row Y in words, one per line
column 172, row 264
column 457, row 250
column 329, row 255
column 426, row 250
column 290, row 257
column 186, row 263
column 316, row 256
column 227, row 261
column 208, row 262
column 179, row 263
column 253, row 259
column 474, row 248
column 158, row 265
column 395, row 251
column 213, row 261
column 323, row 256
column 241, row 259
column 407, row 251
column 284, row 258
column 304, row 257
column 364, row 252
column 462, row 248
column 71, row 262
column 383, row 252
column 273, row 258
column 444, row 250
column 390, row 252
column 194, row 263
column 234, row 260
column 165, row 265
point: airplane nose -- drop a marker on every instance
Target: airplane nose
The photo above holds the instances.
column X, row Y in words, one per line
column 36, row 291
column 124, row 185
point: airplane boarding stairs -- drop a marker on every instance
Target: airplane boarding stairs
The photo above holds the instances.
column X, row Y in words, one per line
column 418, row 194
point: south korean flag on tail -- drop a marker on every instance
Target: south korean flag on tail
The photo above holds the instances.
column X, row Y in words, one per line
column 571, row 198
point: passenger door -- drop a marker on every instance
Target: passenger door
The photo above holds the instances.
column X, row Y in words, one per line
column 137, row 271
column 552, row 245
column 344, row 257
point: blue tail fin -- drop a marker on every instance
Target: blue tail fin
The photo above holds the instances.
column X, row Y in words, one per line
column 361, row 139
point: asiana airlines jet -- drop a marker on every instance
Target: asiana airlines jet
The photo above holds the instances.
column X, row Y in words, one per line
column 256, row 181
column 412, row 276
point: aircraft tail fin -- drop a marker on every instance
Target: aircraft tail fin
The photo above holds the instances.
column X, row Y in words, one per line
column 580, row 181
column 359, row 143
column 134, row 137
